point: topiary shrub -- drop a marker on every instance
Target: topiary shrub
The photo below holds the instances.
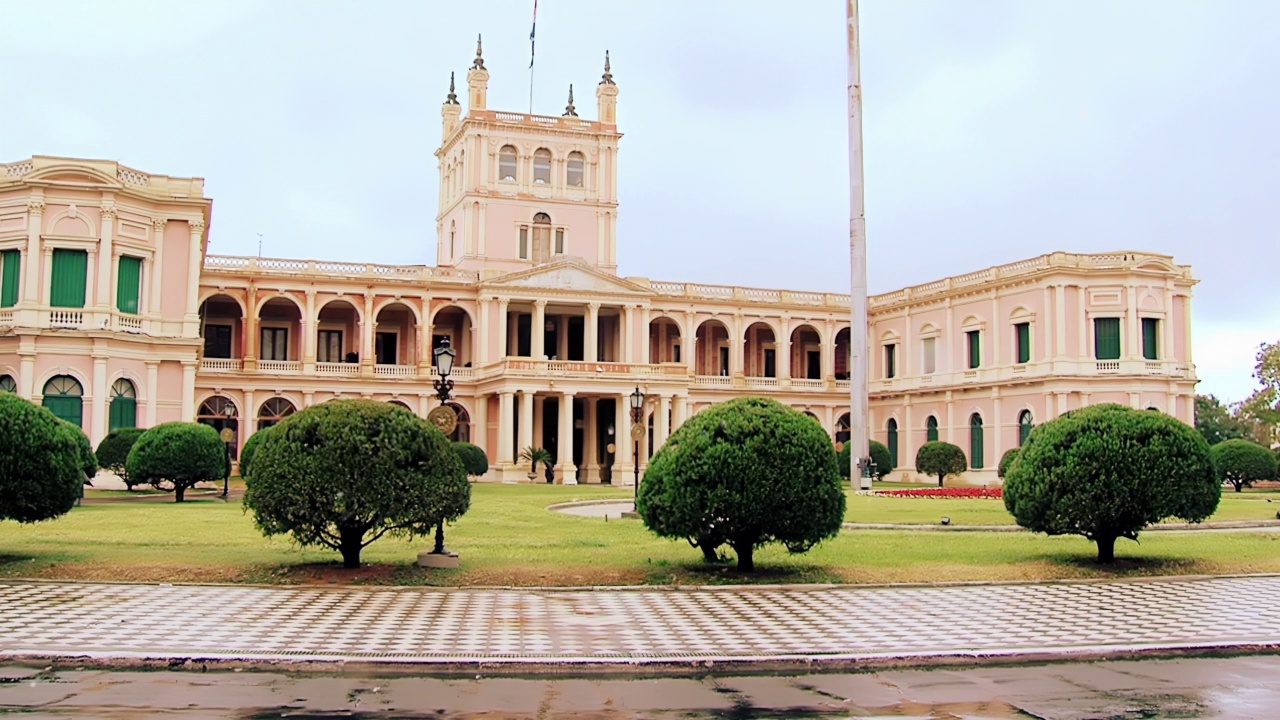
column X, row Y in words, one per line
column 473, row 458
column 879, row 455
column 1107, row 471
column 941, row 459
column 346, row 472
column 745, row 472
column 41, row 466
column 174, row 456
column 247, row 452
column 113, row 453
column 1005, row 461
column 84, row 451
column 1242, row 462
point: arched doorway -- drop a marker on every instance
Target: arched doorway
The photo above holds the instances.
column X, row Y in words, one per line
column 64, row 397
column 273, row 411
column 664, row 341
column 975, row 442
column 891, row 441
column 806, row 353
column 395, row 338
column 337, row 334
column 1024, row 427
column 221, row 324
column 220, row 413
column 713, row 348
column 123, row 412
column 842, row 357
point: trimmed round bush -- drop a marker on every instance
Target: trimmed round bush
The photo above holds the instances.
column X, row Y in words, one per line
column 1108, row 471
column 344, row 473
column 1242, row 463
column 746, row 472
column 174, row 456
column 41, row 467
column 113, row 453
column 1005, row 461
column 473, row 458
column 879, row 455
column 247, row 452
column 941, row 459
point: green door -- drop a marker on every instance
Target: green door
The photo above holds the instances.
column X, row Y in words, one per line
column 10, row 276
column 64, row 397
column 892, row 437
column 123, row 411
column 1106, row 338
column 128, row 282
column 975, row 442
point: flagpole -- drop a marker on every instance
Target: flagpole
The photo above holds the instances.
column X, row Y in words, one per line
column 533, row 31
column 858, row 361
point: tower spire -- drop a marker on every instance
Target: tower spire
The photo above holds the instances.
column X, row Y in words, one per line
column 479, row 62
column 452, row 98
column 607, row 78
column 568, row 110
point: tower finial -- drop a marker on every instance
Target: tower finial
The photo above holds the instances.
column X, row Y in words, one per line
column 479, row 63
column 568, row 110
column 607, row 78
column 452, row 98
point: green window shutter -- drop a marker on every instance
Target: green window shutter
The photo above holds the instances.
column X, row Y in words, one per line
column 128, row 281
column 890, row 361
column 975, row 443
column 1024, row 342
column 67, row 407
column 10, row 278
column 975, row 348
column 123, row 414
column 1106, row 338
column 892, row 437
column 1150, row 338
column 70, row 268
column 931, row 429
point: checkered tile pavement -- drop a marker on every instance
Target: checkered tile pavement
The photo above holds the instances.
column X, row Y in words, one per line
column 631, row 625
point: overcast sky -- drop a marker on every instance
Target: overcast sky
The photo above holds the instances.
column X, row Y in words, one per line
column 995, row 131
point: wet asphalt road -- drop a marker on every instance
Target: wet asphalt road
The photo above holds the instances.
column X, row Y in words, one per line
column 1223, row 687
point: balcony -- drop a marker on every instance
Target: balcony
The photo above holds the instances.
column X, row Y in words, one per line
column 220, row 365
column 280, row 367
column 6, row 317
column 66, row 319
column 713, row 381
column 399, row 371
column 761, row 382
column 126, row 323
column 1027, row 372
column 342, row 369
column 808, row 384
column 528, row 367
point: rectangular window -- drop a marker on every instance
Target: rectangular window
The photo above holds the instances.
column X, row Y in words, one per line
column 217, row 341
column 890, row 361
column 929, row 348
column 70, row 268
column 524, row 243
column 128, row 284
column 559, row 241
column 1151, row 338
column 1106, row 338
column 1022, row 331
column 275, row 344
column 329, row 346
column 974, row 340
column 384, row 348
column 10, row 276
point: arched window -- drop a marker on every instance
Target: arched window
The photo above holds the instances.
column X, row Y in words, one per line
column 892, row 441
column 931, row 429
column 461, row 433
column 273, row 411
column 542, row 166
column 7, row 384
column 124, row 406
column 574, row 170
column 220, row 413
column 975, row 441
column 541, row 237
column 64, row 397
column 1024, row 427
column 507, row 163
column 453, row 239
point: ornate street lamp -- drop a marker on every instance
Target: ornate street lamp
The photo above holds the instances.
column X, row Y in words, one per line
column 637, row 431
column 444, row 356
column 443, row 417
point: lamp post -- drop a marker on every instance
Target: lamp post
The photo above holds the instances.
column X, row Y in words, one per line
column 637, row 407
column 444, row 355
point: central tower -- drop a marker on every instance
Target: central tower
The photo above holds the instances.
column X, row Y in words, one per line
column 519, row 190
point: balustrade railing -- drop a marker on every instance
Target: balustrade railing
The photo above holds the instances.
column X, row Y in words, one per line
column 332, row 368
column 395, row 370
column 280, row 367
column 70, row 319
column 220, row 365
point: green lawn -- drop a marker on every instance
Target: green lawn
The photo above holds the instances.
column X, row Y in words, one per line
column 509, row 538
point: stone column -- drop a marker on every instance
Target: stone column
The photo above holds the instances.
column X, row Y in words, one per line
column 589, row 471
column 537, row 331
column 1082, row 328
column 249, row 343
column 480, row 424
column 196, row 258
column 30, row 268
column 997, row 447
column 27, row 368
column 662, row 425
column 539, row 412
column 1186, row 330
column 590, row 334
column 106, row 258
column 153, row 392
column 43, row 296
column 624, row 465
column 997, row 329
column 525, row 438
column 646, row 345
column 155, row 274
column 689, row 341
column 564, row 449
column 829, row 353
column 424, row 333
column 309, row 328
column 188, row 391
column 562, row 337
column 737, row 346
column 511, row 331
column 367, row 325
column 627, row 335
column 308, row 398
column 98, row 406
column 482, row 341
column 506, row 416
column 249, row 420
column 951, row 425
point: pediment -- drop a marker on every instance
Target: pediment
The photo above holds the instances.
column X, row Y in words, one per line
column 72, row 175
column 568, row 275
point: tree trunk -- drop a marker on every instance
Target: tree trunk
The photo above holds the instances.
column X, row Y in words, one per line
column 349, row 545
column 940, row 480
column 709, row 553
column 745, row 561
column 178, row 492
column 1106, row 548
column 1238, row 485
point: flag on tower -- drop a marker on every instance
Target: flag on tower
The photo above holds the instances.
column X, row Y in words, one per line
column 532, row 31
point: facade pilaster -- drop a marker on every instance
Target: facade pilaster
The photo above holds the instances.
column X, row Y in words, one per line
column 589, row 471
column 35, row 219
column 1132, row 350
column 828, row 357
column 662, row 424
column 98, row 405
column 624, row 459
column 626, row 332
column 691, row 348
column 27, row 368
column 646, row 345
column 997, row 447
column 951, row 419
column 153, row 392
column 106, row 257
column 367, row 326
column 997, row 330
column 1166, row 328
column 308, row 327
column 480, row 426
column 590, row 339
column 537, row 330
column 525, row 438
column 191, row 316
column 250, row 419
column 506, row 416
column 1186, row 328
column 482, row 342
column 42, row 291
column 249, row 341
column 1082, row 324
column 564, row 448
column 155, row 278
column 188, row 390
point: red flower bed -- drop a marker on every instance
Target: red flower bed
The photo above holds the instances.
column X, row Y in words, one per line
column 945, row 492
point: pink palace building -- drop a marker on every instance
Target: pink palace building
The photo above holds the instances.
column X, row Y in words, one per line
column 112, row 314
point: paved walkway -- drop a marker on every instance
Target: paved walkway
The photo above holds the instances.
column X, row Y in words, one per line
column 625, row 626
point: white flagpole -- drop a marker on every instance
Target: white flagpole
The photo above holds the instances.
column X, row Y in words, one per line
column 858, row 365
